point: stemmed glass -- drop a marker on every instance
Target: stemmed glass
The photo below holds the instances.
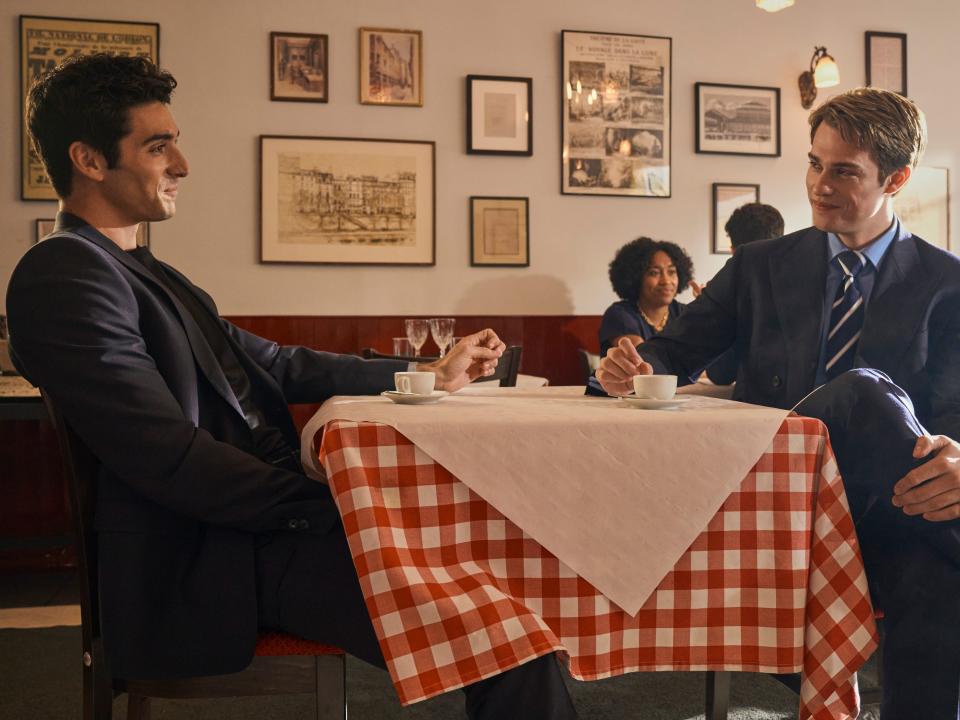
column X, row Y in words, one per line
column 442, row 331
column 416, row 333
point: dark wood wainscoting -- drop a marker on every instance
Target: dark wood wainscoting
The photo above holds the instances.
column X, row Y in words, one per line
column 35, row 529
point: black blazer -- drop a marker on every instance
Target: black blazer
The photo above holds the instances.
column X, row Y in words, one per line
column 767, row 302
column 180, row 499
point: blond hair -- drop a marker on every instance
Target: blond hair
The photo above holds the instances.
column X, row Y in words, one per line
column 887, row 125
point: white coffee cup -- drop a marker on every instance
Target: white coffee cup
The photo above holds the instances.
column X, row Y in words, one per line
column 416, row 383
column 655, row 387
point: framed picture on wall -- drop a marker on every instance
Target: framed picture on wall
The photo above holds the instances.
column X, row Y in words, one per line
column 887, row 61
column 737, row 119
column 615, row 121
column 45, row 42
column 499, row 115
column 727, row 197
column 299, row 71
column 923, row 205
column 391, row 67
column 44, row 226
column 347, row 201
column 500, row 231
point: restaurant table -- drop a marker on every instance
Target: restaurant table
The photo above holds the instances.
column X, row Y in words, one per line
column 19, row 400
column 457, row 592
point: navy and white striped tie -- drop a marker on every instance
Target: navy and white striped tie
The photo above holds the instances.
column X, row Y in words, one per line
column 846, row 317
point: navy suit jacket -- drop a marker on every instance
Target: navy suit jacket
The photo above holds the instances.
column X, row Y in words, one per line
column 181, row 497
column 767, row 302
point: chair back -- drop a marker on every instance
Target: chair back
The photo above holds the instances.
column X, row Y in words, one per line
column 82, row 468
column 506, row 373
column 588, row 363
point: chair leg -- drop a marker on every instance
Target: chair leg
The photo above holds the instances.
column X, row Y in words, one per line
column 331, row 687
column 718, row 695
column 138, row 707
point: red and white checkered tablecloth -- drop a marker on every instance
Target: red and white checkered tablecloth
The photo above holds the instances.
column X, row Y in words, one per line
column 457, row 593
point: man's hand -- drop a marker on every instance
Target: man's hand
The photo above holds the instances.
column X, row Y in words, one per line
column 617, row 369
column 932, row 489
column 474, row 356
column 696, row 288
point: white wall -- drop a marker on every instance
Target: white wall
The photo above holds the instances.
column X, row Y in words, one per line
column 218, row 50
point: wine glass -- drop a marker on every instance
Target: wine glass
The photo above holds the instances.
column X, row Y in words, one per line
column 442, row 331
column 416, row 333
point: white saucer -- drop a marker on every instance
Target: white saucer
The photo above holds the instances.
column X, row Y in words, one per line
column 651, row 404
column 413, row 398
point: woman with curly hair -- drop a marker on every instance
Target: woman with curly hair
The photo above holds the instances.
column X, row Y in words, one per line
column 647, row 275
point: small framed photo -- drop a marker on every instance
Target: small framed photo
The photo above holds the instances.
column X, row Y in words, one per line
column 499, row 115
column 44, row 226
column 500, row 231
column 887, row 61
column 727, row 197
column 737, row 119
column 299, row 69
column 347, row 201
column 391, row 67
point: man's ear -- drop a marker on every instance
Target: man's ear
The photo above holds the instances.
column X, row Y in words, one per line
column 898, row 178
column 87, row 161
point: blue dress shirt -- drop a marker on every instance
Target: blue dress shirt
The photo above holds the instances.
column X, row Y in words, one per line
column 874, row 253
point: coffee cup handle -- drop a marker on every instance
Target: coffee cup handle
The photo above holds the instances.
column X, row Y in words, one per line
column 403, row 384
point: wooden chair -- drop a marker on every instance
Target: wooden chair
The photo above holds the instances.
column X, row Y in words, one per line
column 507, row 369
column 283, row 664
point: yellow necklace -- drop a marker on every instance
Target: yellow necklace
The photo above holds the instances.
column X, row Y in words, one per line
column 658, row 326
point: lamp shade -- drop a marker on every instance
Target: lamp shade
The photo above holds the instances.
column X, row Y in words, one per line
column 826, row 74
column 774, row 5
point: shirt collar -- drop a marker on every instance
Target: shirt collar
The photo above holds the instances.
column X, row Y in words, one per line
column 875, row 251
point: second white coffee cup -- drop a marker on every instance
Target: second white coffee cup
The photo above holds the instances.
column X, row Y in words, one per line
column 417, row 383
column 655, row 387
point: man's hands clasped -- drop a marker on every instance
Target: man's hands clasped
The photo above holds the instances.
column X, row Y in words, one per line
column 932, row 489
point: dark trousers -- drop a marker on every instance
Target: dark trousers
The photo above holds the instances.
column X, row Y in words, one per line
column 913, row 564
column 307, row 586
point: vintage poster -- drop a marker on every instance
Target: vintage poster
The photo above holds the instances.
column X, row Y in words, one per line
column 616, row 117
column 45, row 42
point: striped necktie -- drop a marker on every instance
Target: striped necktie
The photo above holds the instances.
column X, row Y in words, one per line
column 846, row 317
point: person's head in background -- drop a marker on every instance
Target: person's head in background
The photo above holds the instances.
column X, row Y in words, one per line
column 650, row 273
column 753, row 221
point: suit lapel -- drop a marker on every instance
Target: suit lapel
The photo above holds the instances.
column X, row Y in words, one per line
column 798, row 275
column 893, row 316
column 202, row 353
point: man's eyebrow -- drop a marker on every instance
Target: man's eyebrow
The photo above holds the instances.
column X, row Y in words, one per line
column 161, row 136
column 852, row 165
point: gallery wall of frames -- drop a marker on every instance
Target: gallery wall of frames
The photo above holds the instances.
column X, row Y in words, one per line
column 427, row 158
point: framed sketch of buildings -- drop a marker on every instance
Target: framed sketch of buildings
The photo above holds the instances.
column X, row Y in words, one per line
column 727, row 197
column 391, row 67
column 737, row 119
column 499, row 115
column 615, row 127
column 500, row 231
column 347, row 201
column 923, row 205
column 45, row 42
column 299, row 71
column 886, row 55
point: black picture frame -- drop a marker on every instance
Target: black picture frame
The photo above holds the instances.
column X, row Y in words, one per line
column 52, row 43
column 713, row 137
column 306, row 81
column 484, row 253
column 520, row 116
column 720, row 246
column 879, row 65
column 620, row 142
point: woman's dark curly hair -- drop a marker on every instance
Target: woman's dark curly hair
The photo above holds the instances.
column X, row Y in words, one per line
column 633, row 259
column 86, row 98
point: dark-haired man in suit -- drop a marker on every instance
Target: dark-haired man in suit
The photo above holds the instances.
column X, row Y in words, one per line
column 207, row 528
column 857, row 322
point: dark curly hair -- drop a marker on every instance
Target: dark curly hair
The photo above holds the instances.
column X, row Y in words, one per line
column 633, row 259
column 86, row 98
column 753, row 221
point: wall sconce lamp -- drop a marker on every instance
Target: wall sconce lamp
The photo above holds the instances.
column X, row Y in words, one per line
column 774, row 5
column 823, row 73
